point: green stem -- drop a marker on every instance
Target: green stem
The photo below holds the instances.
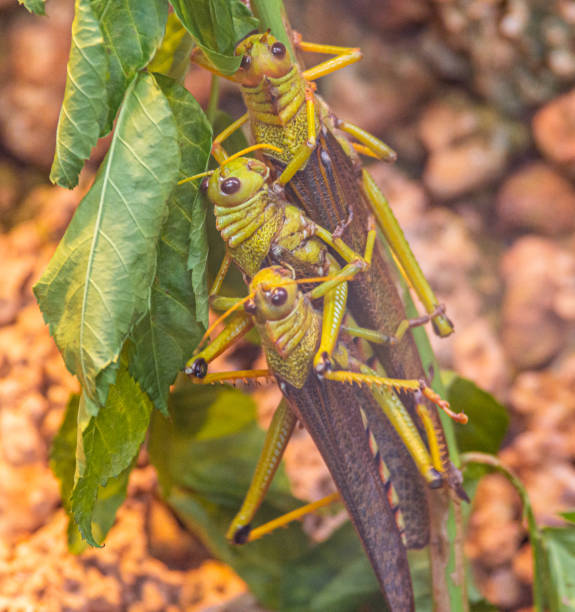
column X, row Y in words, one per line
column 539, row 560
column 272, row 16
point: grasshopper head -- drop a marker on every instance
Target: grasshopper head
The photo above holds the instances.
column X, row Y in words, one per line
column 274, row 295
column 237, row 181
column 263, row 55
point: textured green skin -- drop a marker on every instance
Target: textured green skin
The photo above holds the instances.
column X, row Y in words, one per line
column 283, row 235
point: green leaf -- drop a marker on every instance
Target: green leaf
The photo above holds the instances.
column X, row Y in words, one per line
column 234, row 284
column 173, row 56
column 205, row 455
column 63, row 465
column 178, row 307
column 38, row 7
column 109, row 445
column 568, row 516
column 488, row 419
column 85, row 107
column 560, row 546
column 272, row 16
column 63, row 451
column 216, row 26
column 334, row 575
column 133, row 30
column 97, row 284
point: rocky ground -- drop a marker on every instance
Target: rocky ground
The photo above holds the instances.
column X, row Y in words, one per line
column 486, row 196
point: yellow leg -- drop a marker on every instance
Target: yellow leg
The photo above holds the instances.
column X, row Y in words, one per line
column 431, row 470
column 222, row 377
column 377, row 337
column 221, row 275
column 401, row 249
column 399, row 384
column 348, row 272
column 344, row 57
column 237, row 327
column 218, row 150
column 299, row 160
column 374, row 147
column 435, row 445
column 334, row 304
column 284, row 520
column 277, row 437
column 363, row 150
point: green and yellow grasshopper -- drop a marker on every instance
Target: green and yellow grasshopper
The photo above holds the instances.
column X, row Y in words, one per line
column 341, row 420
column 322, row 174
column 260, row 228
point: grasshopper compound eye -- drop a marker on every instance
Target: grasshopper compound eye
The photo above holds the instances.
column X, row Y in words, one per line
column 246, row 62
column 230, row 185
column 279, row 296
column 250, row 307
column 278, row 50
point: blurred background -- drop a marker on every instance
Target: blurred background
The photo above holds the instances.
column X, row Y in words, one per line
column 478, row 99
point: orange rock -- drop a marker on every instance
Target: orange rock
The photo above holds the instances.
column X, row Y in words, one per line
column 554, row 130
column 537, row 198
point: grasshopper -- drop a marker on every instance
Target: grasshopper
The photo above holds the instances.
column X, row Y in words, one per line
column 259, row 227
column 341, row 420
column 321, row 171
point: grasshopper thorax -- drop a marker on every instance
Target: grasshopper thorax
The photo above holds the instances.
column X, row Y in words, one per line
column 237, row 181
column 262, row 55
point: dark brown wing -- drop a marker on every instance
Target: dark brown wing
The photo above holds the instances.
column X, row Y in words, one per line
column 330, row 412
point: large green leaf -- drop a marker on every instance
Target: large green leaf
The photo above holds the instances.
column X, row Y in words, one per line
column 488, row 419
column 205, row 455
column 111, row 42
column 63, row 464
column 335, row 575
column 34, row 6
column 97, row 284
column 234, row 284
column 560, row 546
column 216, row 26
column 106, row 449
column 133, row 30
column 173, row 56
column 63, row 451
column 178, row 307
column 85, row 106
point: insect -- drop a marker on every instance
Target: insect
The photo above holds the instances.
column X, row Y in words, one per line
column 320, row 169
column 260, row 227
column 341, row 420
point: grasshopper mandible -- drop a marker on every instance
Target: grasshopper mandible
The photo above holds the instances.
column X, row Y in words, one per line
column 341, row 421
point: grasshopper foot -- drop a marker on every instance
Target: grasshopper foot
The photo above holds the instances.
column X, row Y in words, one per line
column 435, row 479
column 242, row 534
column 322, row 364
column 199, row 368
